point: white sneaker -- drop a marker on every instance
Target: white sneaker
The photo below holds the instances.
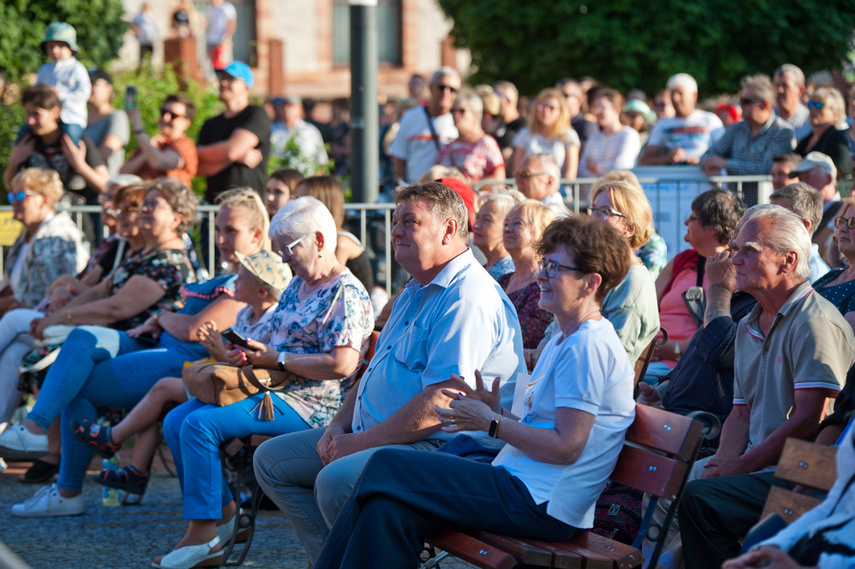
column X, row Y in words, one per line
column 2, row 465
column 48, row 502
column 17, row 443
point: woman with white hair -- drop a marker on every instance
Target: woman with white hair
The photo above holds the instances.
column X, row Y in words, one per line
column 827, row 109
column 488, row 231
column 473, row 152
column 320, row 333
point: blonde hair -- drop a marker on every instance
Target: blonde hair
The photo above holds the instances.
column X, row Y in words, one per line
column 563, row 122
column 535, row 215
column 43, row 182
column 831, row 98
column 248, row 200
column 630, row 200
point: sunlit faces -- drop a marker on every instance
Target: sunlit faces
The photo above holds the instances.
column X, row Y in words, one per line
column 101, row 92
column 604, row 200
column 533, row 181
column 604, row 111
column 844, row 235
column 234, row 233
column 277, row 195
column 416, row 236
column 300, row 252
column 787, row 93
column 703, row 239
column 127, row 219
column 231, row 87
column 443, row 92
column 780, row 174
column 247, row 287
column 31, row 209
column 156, row 215
column 517, row 234
column 173, row 119
column 820, row 113
column 756, row 264
column 58, row 50
column 42, row 121
column 489, row 227
column 463, row 117
column 565, row 292
column 548, row 111
column 683, row 100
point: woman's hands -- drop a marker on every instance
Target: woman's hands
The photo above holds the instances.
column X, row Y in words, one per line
column 211, row 338
column 261, row 355
column 38, row 325
column 148, row 328
column 469, row 409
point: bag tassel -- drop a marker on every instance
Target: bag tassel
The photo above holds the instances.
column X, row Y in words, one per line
column 265, row 408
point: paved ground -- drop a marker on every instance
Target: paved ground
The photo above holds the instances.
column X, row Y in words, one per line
column 129, row 536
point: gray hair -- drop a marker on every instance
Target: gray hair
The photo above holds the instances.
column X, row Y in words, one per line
column 761, row 85
column 682, row 80
column 790, row 70
column 509, row 87
column 471, row 100
column 305, row 216
column 807, row 202
column 786, row 233
column 444, row 203
column 832, row 99
column 444, row 71
column 503, row 201
column 548, row 163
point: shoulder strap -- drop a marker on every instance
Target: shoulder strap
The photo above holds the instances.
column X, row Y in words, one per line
column 432, row 129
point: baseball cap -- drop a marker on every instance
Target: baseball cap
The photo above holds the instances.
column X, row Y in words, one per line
column 239, row 70
column 268, row 268
column 465, row 192
column 811, row 161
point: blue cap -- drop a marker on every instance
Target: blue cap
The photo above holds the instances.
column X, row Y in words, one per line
column 239, row 70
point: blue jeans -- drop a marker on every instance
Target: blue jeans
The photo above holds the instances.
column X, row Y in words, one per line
column 194, row 432
column 97, row 366
column 404, row 496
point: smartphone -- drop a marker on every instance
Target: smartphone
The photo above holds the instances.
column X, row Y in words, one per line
column 235, row 339
column 146, row 339
column 131, row 98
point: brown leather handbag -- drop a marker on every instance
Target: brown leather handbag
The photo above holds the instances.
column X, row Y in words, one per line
column 223, row 384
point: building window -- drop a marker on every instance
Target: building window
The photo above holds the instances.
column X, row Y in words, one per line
column 388, row 32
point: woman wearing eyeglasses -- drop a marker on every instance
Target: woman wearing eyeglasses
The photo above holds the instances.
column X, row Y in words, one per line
column 631, row 306
column 827, row 110
column 549, row 132
column 474, row 152
column 545, row 482
column 170, row 153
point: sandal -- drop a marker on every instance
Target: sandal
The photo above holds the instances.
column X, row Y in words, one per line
column 127, row 478
column 95, row 436
column 40, row 471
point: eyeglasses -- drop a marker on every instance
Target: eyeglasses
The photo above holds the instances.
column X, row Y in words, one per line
column 153, row 204
column 164, row 111
column 290, row 247
column 446, row 88
column 20, row 195
column 545, row 107
column 818, row 105
column 525, row 174
column 747, row 101
column 551, row 268
column 604, row 212
column 458, row 111
column 127, row 210
column 841, row 221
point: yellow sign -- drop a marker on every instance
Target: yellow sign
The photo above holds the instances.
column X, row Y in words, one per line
column 9, row 228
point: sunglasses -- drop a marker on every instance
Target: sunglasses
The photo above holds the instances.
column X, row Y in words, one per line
column 746, row 101
column 127, row 210
column 446, row 88
column 164, row 111
column 458, row 111
column 841, row 221
column 19, row 196
column 816, row 105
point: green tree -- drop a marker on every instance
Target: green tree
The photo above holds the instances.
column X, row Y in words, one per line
column 99, row 25
column 626, row 44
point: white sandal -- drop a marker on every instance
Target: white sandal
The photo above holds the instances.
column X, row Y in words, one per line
column 191, row 556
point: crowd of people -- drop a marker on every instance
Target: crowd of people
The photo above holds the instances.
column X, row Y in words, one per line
column 505, row 283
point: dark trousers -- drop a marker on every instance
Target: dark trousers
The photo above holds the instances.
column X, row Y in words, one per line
column 716, row 513
column 404, row 496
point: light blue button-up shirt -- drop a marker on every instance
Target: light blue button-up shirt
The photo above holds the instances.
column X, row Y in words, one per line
column 461, row 321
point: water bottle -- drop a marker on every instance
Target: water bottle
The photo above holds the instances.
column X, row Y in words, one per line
column 111, row 497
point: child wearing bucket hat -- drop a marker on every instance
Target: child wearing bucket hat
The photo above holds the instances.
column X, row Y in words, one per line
column 68, row 76
column 262, row 277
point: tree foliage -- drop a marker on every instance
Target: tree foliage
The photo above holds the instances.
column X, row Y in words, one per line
column 626, row 43
column 99, row 25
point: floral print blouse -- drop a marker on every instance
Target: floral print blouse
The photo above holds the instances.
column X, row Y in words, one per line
column 336, row 314
column 170, row 268
column 533, row 319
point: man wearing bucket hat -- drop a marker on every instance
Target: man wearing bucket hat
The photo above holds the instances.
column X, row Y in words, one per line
column 233, row 146
column 67, row 76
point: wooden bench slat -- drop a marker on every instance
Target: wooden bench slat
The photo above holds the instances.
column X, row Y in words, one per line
column 473, row 550
column 663, row 431
column 524, row 550
column 787, row 504
column 623, row 556
column 652, row 473
column 808, row 464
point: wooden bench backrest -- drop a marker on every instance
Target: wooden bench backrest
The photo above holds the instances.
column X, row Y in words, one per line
column 808, row 464
column 643, row 361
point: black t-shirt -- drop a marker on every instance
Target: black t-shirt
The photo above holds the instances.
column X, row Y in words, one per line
column 220, row 128
column 50, row 157
column 506, row 133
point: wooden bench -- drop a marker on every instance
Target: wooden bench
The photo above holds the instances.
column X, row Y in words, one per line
column 658, row 454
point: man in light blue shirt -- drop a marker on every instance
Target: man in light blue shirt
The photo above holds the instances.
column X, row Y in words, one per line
column 452, row 318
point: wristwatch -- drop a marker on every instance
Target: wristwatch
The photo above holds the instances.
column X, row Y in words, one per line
column 494, row 426
column 281, row 360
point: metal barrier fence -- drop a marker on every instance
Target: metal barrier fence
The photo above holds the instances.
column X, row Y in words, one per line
column 670, row 198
